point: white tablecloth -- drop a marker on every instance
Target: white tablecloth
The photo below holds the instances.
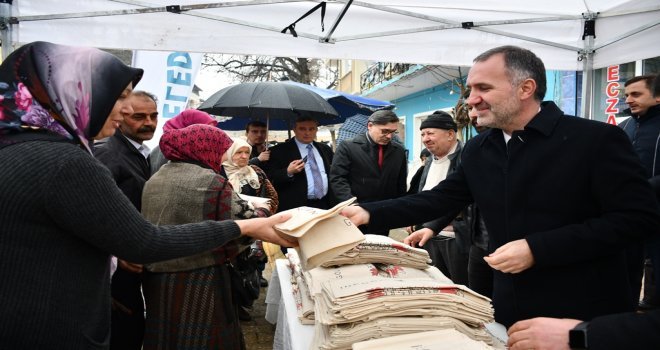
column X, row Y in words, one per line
column 290, row 334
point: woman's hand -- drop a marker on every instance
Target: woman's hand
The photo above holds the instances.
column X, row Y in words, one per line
column 263, row 229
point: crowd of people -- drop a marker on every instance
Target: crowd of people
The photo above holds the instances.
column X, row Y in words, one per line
column 551, row 216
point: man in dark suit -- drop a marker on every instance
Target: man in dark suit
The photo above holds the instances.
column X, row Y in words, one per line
column 300, row 173
column 128, row 159
column 371, row 167
column 256, row 133
column 561, row 197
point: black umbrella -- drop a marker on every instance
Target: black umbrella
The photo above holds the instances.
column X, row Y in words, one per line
column 270, row 100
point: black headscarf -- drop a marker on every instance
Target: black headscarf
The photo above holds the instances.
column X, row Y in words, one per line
column 49, row 90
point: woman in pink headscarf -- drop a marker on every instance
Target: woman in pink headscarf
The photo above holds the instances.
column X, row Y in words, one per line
column 189, row 300
column 180, row 121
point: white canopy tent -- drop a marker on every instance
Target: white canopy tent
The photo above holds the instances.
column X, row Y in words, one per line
column 437, row 32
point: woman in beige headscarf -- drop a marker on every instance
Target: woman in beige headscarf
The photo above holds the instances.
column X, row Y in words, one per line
column 252, row 181
column 248, row 179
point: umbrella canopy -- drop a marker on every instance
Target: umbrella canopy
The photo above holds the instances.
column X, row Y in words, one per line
column 345, row 104
column 269, row 101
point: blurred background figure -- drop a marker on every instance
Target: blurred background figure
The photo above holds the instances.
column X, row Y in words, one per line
column 257, row 134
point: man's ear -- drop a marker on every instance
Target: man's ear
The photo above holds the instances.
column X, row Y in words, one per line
column 527, row 89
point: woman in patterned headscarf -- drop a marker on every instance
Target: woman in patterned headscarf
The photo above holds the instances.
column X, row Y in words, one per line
column 189, row 300
column 61, row 213
column 180, row 121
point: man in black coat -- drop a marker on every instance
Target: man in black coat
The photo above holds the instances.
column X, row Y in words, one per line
column 128, row 159
column 371, row 167
column 291, row 164
column 561, row 197
column 643, row 129
column 256, row 133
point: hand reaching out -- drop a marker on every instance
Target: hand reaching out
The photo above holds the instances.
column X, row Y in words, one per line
column 419, row 237
column 262, row 229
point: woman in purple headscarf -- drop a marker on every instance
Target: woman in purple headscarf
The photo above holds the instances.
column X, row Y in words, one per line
column 61, row 213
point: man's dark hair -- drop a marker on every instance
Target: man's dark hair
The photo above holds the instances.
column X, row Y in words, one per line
column 656, row 86
column 647, row 79
column 520, row 64
column 306, row 118
column 255, row 123
column 142, row 93
column 383, row 117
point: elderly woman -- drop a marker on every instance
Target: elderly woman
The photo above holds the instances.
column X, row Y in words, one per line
column 189, row 300
column 248, row 179
column 252, row 181
column 61, row 213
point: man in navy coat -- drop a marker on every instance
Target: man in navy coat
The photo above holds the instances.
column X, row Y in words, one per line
column 561, row 197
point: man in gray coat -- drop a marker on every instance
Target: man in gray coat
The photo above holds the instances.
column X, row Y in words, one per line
column 371, row 167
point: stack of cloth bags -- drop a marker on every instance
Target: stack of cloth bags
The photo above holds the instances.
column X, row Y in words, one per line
column 389, row 289
column 382, row 250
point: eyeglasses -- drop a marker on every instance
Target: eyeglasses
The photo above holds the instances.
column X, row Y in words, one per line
column 386, row 132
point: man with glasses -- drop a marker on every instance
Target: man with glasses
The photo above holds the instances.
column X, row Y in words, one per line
column 371, row 167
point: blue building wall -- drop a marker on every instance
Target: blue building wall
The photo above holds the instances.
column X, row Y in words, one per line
column 439, row 97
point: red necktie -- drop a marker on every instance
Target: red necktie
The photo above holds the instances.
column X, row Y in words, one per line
column 380, row 156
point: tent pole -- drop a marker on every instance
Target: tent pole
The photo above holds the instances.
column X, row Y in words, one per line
column 5, row 27
column 587, row 57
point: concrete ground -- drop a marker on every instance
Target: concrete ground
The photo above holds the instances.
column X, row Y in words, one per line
column 258, row 332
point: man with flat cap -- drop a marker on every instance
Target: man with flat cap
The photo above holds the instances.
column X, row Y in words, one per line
column 448, row 249
column 371, row 167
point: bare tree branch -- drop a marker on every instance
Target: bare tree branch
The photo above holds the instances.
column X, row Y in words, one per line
column 267, row 68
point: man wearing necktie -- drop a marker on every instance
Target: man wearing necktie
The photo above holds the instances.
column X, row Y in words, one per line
column 298, row 168
column 371, row 167
column 128, row 160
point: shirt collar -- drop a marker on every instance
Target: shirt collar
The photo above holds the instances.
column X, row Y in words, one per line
column 142, row 148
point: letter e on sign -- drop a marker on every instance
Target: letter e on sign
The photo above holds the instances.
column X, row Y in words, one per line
column 613, row 73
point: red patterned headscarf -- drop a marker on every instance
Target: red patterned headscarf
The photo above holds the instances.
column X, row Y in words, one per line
column 202, row 143
column 187, row 118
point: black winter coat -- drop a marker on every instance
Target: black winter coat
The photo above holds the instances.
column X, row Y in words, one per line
column 355, row 171
column 128, row 166
column 572, row 188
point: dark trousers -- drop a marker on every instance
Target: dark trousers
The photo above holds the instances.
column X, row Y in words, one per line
column 480, row 274
column 652, row 273
column 448, row 259
column 127, row 324
column 635, row 261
